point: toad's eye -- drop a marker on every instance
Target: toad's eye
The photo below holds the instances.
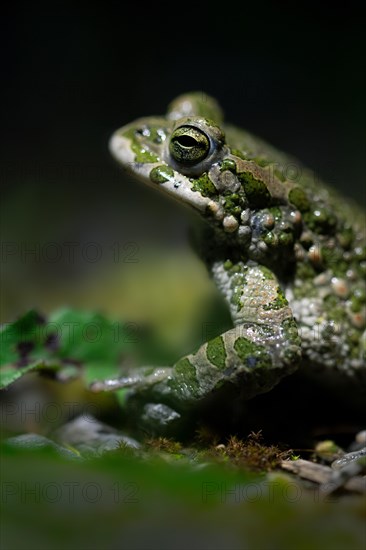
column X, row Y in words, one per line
column 189, row 145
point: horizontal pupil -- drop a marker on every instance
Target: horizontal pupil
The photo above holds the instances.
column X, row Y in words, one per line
column 186, row 141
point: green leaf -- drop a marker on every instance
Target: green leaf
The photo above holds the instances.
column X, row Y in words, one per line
column 25, row 330
column 69, row 341
column 9, row 374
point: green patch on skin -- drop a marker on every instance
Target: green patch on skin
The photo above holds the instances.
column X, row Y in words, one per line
column 278, row 303
column 321, row 221
column 285, row 239
column 267, row 273
column 361, row 269
column 185, row 373
column 261, row 161
column 353, row 340
column 256, row 191
column 228, row 164
column 161, row 174
column 204, row 185
column 358, row 299
column 276, row 212
column 252, row 355
column 270, row 239
column 238, row 280
column 305, row 272
column 141, row 155
column 235, row 268
column 236, row 298
column 359, row 260
column 360, row 253
column 237, row 273
column 335, row 309
column 216, row 352
column 232, row 204
column 346, row 237
column 356, row 305
column 298, row 198
column 279, row 175
column 333, row 258
column 290, row 330
column 239, row 154
column 156, row 134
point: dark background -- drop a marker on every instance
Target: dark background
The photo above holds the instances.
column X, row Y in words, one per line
column 71, row 77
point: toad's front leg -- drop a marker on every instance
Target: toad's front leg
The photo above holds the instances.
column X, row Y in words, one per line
column 250, row 358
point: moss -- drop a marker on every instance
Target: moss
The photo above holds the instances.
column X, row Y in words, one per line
column 256, row 191
column 161, row 174
column 298, row 198
column 206, row 436
column 164, row 444
column 204, row 185
column 125, row 450
column 216, row 352
column 250, row 454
